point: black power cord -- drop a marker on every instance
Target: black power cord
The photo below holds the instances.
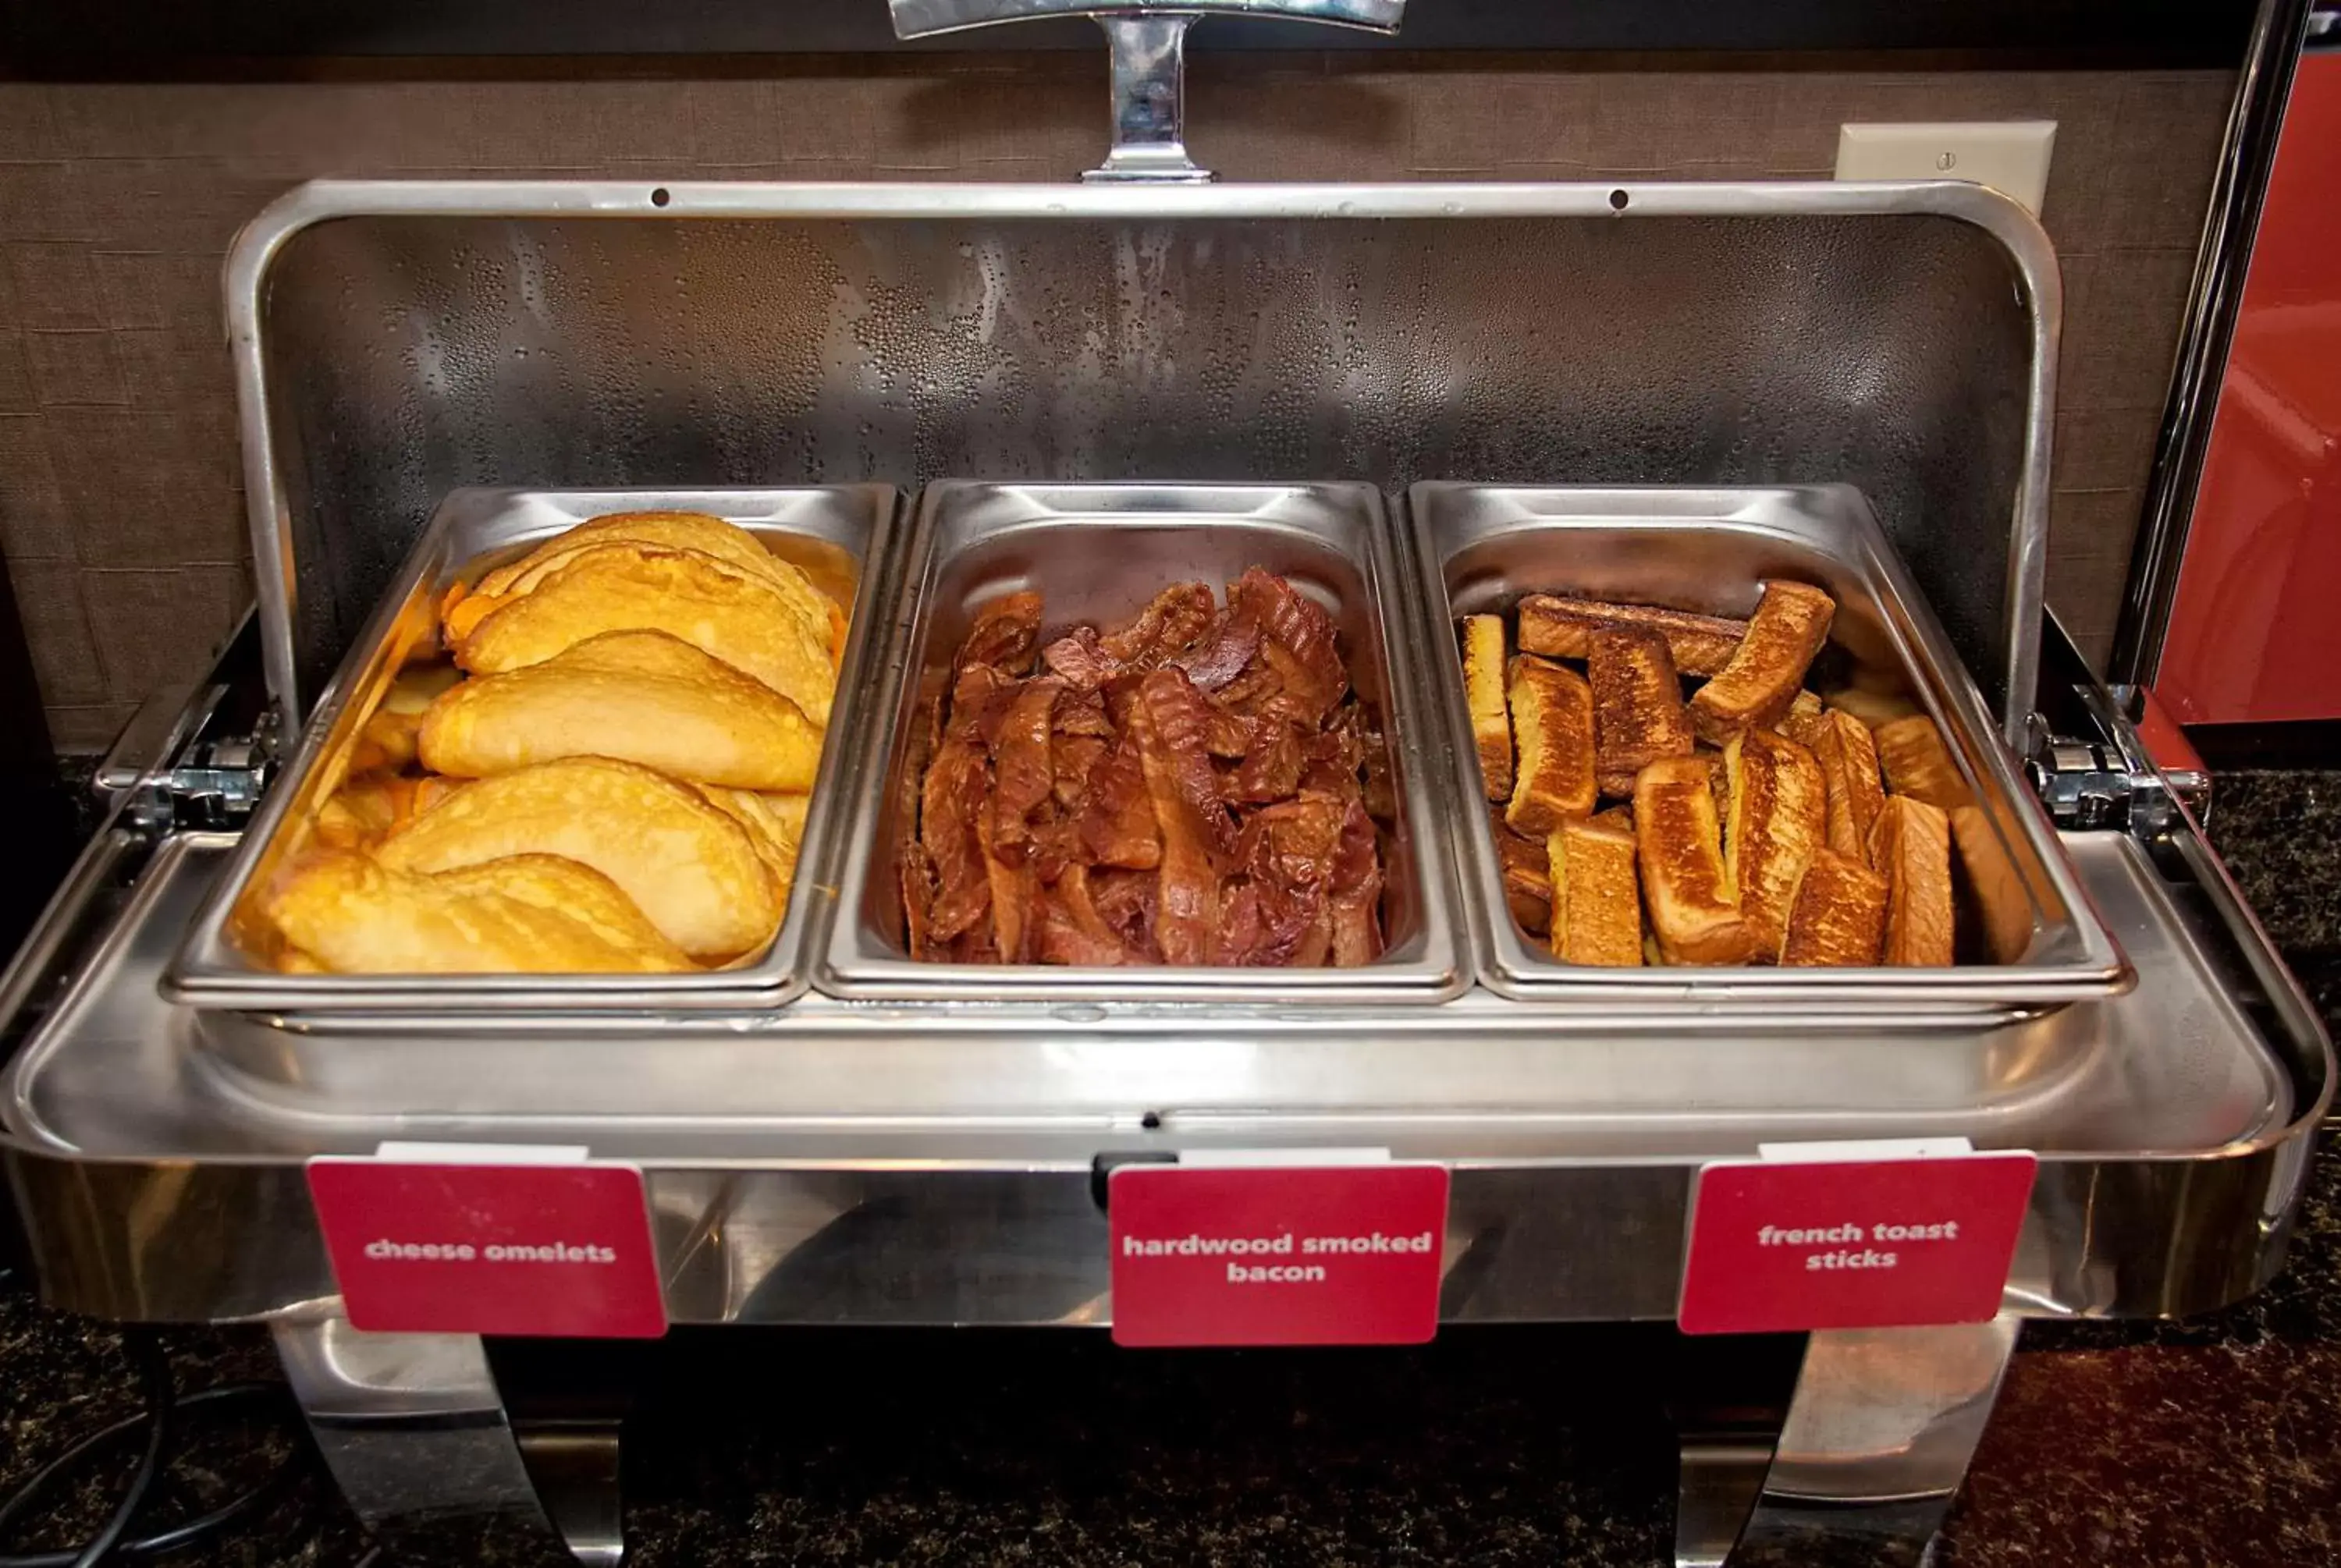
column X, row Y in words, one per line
column 158, row 1422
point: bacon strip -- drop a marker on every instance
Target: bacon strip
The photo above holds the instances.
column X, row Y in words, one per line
column 1196, row 787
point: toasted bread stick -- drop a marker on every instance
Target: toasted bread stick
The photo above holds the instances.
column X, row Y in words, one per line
column 1760, row 683
column 1483, row 691
column 1563, row 629
column 1843, row 746
column 1694, row 909
column 1637, row 707
column 1911, row 847
column 1779, row 815
column 1838, row 918
column 1596, row 906
column 1552, row 723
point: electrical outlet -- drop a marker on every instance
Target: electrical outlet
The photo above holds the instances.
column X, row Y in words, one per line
column 2011, row 156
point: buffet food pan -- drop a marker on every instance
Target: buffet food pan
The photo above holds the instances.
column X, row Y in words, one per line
column 2035, row 942
column 1098, row 554
column 839, row 534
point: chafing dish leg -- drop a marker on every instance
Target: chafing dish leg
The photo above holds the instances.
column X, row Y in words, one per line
column 1876, row 1444
column 416, row 1433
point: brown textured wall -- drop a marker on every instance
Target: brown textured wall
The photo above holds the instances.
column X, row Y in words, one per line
column 121, row 510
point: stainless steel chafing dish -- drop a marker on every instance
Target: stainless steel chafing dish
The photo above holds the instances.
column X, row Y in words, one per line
column 839, row 534
column 1098, row 553
column 1482, row 546
column 931, row 1160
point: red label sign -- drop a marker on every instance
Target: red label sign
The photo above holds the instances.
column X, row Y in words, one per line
column 1869, row 1243
column 521, row 1249
column 1277, row 1254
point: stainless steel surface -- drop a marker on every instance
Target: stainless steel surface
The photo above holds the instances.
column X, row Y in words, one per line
column 917, row 1165
column 924, row 18
column 1100, row 553
column 2213, row 299
column 410, row 1424
column 574, row 1466
column 1147, row 85
column 396, row 341
column 1478, row 548
column 1884, row 1413
column 1877, row 1440
column 1721, row 1476
column 840, row 534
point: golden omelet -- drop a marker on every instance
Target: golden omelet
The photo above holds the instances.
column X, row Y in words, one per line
column 349, row 914
column 642, row 697
column 688, row 865
column 728, row 542
column 776, row 823
column 387, row 738
column 742, row 621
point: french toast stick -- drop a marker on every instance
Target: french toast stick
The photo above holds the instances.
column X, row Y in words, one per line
column 1779, row 815
column 1483, row 692
column 1638, row 707
column 1918, row 765
column 1553, row 725
column 1596, row 906
column 1847, row 754
column 1911, row 847
column 1528, row 875
column 1694, row 909
column 1767, row 668
column 1563, row 629
column 1839, row 917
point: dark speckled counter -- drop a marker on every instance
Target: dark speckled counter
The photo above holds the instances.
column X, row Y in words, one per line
column 2205, row 1441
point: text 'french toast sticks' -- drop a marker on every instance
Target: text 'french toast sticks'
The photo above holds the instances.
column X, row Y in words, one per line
column 1483, row 692
column 1847, row 754
column 1553, row 725
column 1564, row 628
column 1638, row 707
column 1911, row 848
column 1693, row 906
column 1760, row 683
column 1596, row 906
column 1839, row 917
column 1780, row 817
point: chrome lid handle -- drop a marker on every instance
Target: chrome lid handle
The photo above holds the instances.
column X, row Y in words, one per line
column 1148, row 46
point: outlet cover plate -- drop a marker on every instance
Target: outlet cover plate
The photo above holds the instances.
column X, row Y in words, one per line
column 2009, row 155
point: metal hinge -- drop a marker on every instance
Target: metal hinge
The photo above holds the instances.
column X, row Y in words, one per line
column 167, row 774
column 2109, row 780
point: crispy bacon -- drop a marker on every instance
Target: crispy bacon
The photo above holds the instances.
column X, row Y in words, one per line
column 1194, row 789
column 1022, row 772
column 1073, row 932
column 1187, row 895
column 1298, row 637
column 1077, row 658
column 1174, row 747
column 949, row 802
column 1116, row 820
column 1071, row 759
column 1005, row 632
column 1014, row 890
column 1357, row 890
column 1125, row 901
column 1270, row 771
column 1081, row 712
column 1165, row 629
column 1224, row 650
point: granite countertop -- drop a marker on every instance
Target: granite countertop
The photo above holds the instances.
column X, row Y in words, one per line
column 2204, row 1441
